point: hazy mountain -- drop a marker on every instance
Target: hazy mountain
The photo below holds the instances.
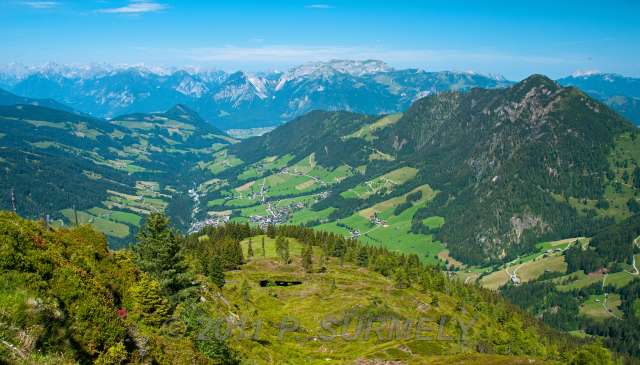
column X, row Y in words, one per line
column 7, row 98
column 240, row 99
column 619, row 92
column 248, row 100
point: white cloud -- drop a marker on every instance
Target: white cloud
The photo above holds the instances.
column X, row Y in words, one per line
column 41, row 4
column 136, row 7
column 297, row 54
column 319, row 6
column 588, row 72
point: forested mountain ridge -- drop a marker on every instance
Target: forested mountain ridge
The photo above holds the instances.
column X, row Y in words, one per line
column 7, row 98
column 318, row 132
column 506, row 159
column 112, row 171
column 498, row 169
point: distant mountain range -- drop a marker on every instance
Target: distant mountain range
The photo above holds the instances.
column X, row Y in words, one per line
column 242, row 100
column 7, row 98
column 619, row 92
column 239, row 99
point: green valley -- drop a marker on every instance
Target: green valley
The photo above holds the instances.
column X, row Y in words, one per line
column 109, row 173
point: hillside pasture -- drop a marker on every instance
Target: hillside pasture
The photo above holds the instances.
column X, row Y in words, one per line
column 106, row 226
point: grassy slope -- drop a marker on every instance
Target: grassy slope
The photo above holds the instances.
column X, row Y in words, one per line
column 81, row 284
column 340, row 290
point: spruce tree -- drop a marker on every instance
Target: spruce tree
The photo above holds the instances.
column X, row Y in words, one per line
column 158, row 253
column 362, row 258
column 286, row 257
column 271, row 231
column 322, row 262
column 282, row 249
column 245, row 290
column 230, row 251
column 250, row 249
column 339, row 249
column 239, row 256
column 307, row 257
column 401, row 278
column 279, row 245
column 148, row 301
column 216, row 271
column 325, row 251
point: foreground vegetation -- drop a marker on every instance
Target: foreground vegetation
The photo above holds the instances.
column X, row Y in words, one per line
column 67, row 298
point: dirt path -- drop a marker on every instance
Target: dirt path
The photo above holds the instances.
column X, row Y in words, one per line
column 514, row 275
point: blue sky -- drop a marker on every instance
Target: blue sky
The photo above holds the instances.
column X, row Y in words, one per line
column 512, row 38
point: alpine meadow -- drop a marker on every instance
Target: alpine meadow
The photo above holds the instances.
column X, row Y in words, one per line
column 345, row 182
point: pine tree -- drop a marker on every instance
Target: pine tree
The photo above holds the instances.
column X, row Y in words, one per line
column 362, row 258
column 158, row 253
column 307, row 257
column 282, row 249
column 286, row 254
column 271, row 231
column 149, row 303
column 322, row 262
column 250, row 249
column 230, row 251
column 216, row 271
column 323, row 256
column 401, row 278
column 339, row 249
column 245, row 290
